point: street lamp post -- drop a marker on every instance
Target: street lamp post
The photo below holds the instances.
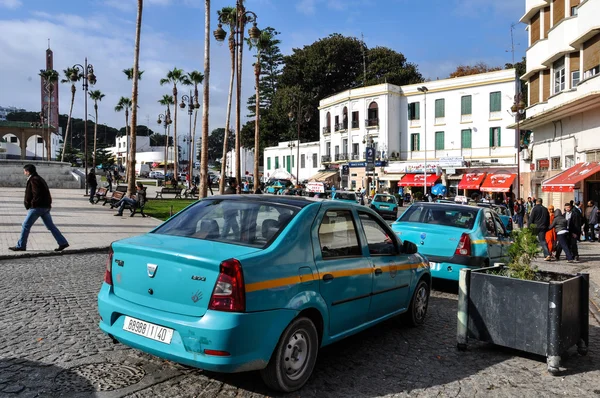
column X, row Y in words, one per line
column 242, row 17
column 86, row 71
column 518, row 108
column 301, row 111
column 424, row 90
column 191, row 107
column 167, row 121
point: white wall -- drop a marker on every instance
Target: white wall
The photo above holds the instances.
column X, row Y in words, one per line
column 282, row 151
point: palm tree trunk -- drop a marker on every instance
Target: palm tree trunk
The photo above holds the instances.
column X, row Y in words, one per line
column 238, row 100
column 95, row 136
column 256, row 123
column 205, row 98
column 134, row 97
column 227, row 121
column 193, row 151
column 176, row 149
column 127, row 147
column 62, row 155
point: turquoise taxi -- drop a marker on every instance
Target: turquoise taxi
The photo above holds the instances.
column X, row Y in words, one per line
column 385, row 205
column 252, row 282
column 454, row 236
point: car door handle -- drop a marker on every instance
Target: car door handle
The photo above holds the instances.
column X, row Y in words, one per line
column 378, row 271
column 327, row 277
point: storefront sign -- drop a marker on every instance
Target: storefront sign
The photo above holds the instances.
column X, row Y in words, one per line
column 543, row 164
column 378, row 163
column 370, row 166
column 456, row 161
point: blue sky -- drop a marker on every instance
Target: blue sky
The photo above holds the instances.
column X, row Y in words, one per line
column 437, row 35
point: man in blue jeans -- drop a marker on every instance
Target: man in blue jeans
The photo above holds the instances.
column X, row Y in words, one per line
column 139, row 200
column 38, row 203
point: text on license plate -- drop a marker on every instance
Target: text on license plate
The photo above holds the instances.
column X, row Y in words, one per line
column 385, row 207
column 149, row 330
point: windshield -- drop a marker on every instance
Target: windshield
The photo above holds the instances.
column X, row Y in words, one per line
column 384, row 198
column 246, row 223
column 448, row 215
column 345, row 196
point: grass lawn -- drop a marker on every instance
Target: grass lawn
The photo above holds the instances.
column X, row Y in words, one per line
column 164, row 208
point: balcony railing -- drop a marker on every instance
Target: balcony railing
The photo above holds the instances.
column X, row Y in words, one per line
column 341, row 126
column 355, row 156
column 355, row 124
column 466, row 118
column 372, row 122
column 325, row 158
column 341, row 156
column 377, row 155
column 327, row 130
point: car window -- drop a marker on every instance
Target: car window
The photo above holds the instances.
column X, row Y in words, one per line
column 490, row 224
column 337, row 235
column 449, row 215
column 238, row 222
column 378, row 239
column 499, row 226
column 345, row 196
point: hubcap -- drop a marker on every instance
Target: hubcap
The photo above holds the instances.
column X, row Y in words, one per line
column 421, row 303
column 296, row 354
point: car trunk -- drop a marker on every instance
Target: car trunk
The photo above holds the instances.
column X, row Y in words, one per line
column 185, row 271
column 439, row 241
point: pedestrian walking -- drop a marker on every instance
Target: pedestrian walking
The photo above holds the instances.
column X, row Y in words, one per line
column 551, row 233
column 232, row 188
column 92, row 184
column 591, row 219
column 539, row 221
column 109, row 181
column 559, row 225
column 574, row 221
column 528, row 208
column 38, row 203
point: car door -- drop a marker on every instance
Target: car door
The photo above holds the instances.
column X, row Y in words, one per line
column 392, row 270
column 494, row 244
column 345, row 274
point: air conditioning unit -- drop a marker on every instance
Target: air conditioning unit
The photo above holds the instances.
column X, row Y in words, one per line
column 526, row 154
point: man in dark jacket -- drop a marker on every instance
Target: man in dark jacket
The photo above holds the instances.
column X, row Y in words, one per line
column 38, row 203
column 560, row 225
column 591, row 219
column 539, row 220
column 232, row 188
column 92, row 184
column 574, row 222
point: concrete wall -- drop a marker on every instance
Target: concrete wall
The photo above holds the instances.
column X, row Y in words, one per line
column 56, row 174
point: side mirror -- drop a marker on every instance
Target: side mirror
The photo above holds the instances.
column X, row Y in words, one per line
column 409, row 248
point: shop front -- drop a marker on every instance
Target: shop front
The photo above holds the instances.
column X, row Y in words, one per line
column 415, row 183
column 470, row 183
column 580, row 182
column 497, row 186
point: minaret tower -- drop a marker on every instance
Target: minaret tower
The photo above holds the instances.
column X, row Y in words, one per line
column 52, row 97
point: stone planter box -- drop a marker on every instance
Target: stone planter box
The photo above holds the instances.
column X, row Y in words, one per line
column 546, row 316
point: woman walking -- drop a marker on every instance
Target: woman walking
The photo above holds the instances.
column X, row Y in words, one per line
column 562, row 234
column 551, row 234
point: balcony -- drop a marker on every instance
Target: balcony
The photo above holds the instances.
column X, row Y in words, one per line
column 325, row 158
column 377, row 155
column 355, row 124
column 466, row 118
column 372, row 122
column 355, row 156
column 327, row 130
column 341, row 157
column 414, row 123
column 341, row 126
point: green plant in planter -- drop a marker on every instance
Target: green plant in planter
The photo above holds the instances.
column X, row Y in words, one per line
column 523, row 250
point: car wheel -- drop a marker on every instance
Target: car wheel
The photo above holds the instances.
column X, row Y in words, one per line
column 294, row 357
column 417, row 311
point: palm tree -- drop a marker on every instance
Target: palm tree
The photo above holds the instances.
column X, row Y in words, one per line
column 134, row 96
column 124, row 104
column 72, row 75
column 174, row 77
column 129, row 73
column 166, row 100
column 227, row 15
column 204, row 180
column 95, row 95
column 50, row 77
column 196, row 78
column 263, row 42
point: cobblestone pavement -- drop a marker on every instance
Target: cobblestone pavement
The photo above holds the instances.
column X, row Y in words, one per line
column 51, row 346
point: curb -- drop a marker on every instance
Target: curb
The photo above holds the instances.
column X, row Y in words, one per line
column 53, row 253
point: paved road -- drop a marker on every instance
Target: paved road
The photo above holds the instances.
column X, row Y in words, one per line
column 51, row 346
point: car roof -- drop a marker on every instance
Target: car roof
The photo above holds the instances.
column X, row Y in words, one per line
column 352, row 192
column 445, row 205
column 297, row 201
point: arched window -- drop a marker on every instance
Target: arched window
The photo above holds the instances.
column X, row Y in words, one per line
column 373, row 115
column 345, row 118
column 327, row 128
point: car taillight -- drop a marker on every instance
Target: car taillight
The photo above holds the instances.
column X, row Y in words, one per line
column 510, row 224
column 464, row 246
column 108, row 273
column 229, row 293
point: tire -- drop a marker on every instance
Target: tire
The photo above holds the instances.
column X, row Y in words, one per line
column 284, row 373
column 417, row 310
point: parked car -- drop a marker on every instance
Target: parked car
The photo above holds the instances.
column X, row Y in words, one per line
column 502, row 211
column 385, row 205
column 345, row 196
column 157, row 174
column 274, row 186
column 181, row 176
column 454, row 236
column 265, row 294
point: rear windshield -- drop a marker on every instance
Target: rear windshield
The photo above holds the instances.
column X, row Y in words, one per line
column 345, row 196
column 384, row 198
column 448, row 215
column 246, row 223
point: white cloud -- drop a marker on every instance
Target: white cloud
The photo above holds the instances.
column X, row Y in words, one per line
column 11, row 4
column 108, row 44
column 307, row 7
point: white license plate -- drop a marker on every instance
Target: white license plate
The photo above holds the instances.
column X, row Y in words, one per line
column 434, row 266
column 149, row 330
column 385, row 207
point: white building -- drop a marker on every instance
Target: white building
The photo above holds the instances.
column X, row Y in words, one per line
column 285, row 155
column 145, row 154
column 563, row 77
column 246, row 162
column 4, row 111
column 457, row 124
column 35, row 147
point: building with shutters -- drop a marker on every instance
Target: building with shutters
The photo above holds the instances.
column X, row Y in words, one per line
column 285, row 155
column 563, row 78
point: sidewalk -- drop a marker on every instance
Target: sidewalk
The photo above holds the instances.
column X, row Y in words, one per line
column 87, row 227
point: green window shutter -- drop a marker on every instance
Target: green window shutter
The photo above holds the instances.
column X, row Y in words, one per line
column 417, row 111
column 410, row 112
column 293, row 165
column 268, row 163
column 465, row 105
column 495, row 102
column 418, row 142
column 491, row 137
column 500, row 137
column 440, row 110
column 276, row 162
column 466, row 138
column 439, row 140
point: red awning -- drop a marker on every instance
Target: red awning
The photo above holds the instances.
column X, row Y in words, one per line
column 565, row 181
column 498, row 182
column 416, row 180
column 471, row 181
